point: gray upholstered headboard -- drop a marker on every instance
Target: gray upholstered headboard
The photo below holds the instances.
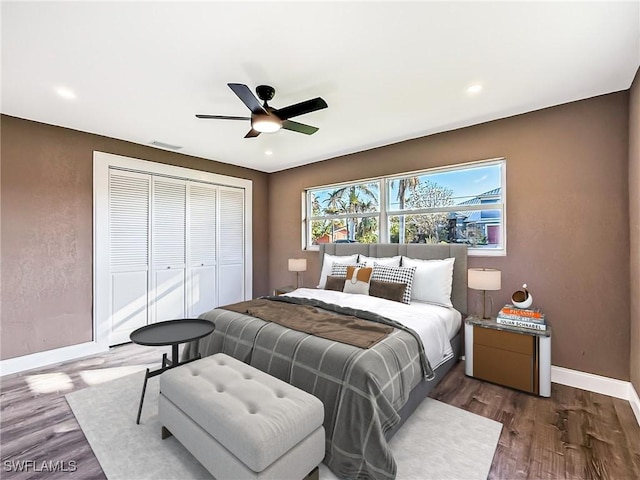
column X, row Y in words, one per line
column 413, row 250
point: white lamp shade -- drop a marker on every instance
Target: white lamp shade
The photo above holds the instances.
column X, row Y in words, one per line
column 484, row 279
column 297, row 264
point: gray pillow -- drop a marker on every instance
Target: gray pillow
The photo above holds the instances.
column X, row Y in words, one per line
column 389, row 290
column 335, row 283
column 395, row 275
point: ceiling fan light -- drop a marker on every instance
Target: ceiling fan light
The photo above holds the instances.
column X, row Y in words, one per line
column 266, row 124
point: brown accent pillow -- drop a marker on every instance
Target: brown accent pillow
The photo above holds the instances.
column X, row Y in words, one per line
column 358, row 280
column 388, row 290
column 334, row 283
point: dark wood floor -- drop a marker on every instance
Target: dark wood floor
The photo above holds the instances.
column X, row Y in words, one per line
column 574, row 434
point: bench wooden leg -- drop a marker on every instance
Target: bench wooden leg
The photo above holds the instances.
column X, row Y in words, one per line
column 165, row 432
column 313, row 474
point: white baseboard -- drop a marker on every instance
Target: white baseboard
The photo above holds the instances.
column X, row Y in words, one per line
column 589, row 381
column 48, row 357
column 634, row 400
column 598, row 384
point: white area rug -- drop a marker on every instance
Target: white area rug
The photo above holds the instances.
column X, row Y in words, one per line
column 438, row 441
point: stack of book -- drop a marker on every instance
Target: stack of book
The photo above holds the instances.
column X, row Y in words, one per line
column 522, row 317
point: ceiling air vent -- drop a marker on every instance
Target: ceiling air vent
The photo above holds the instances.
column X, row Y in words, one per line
column 158, row 144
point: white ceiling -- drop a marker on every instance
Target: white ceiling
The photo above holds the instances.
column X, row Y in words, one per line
column 389, row 71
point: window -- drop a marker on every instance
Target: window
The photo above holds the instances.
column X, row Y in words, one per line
column 344, row 213
column 463, row 204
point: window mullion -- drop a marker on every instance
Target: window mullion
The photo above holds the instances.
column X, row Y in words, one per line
column 453, row 208
column 343, row 216
column 383, row 224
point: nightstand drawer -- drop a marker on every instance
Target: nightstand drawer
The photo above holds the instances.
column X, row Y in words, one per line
column 511, row 369
column 512, row 342
column 512, row 356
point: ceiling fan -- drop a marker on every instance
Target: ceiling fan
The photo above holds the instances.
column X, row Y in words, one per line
column 266, row 119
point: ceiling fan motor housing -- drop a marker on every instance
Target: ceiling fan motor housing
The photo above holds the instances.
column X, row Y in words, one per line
column 265, row 92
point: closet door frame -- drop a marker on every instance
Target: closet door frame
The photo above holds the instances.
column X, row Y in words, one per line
column 102, row 162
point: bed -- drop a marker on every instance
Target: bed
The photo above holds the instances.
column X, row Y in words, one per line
column 367, row 393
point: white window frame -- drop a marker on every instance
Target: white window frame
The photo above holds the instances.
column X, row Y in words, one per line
column 306, row 210
column 385, row 212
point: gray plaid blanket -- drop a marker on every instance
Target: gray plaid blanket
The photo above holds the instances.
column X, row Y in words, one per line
column 362, row 389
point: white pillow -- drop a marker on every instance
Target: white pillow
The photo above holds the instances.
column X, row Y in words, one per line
column 433, row 280
column 327, row 263
column 385, row 261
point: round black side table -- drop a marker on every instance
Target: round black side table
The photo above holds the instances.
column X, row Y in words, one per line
column 170, row 332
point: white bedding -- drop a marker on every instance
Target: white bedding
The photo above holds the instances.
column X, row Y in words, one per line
column 435, row 325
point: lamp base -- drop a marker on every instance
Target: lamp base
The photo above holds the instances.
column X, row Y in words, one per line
column 484, row 305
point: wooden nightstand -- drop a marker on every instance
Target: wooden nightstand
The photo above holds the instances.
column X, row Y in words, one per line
column 515, row 357
column 283, row 290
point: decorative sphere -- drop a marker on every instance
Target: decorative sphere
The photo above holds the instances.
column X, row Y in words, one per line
column 522, row 298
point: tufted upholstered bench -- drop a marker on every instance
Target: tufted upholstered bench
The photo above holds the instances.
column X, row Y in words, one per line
column 241, row 423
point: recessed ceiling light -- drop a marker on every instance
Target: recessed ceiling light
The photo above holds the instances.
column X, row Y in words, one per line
column 474, row 88
column 65, row 93
column 268, row 153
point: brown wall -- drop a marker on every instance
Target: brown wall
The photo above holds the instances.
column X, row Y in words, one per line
column 634, row 216
column 567, row 217
column 568, row 202
column 46, row 209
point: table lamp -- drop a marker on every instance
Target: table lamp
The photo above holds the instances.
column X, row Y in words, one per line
column 485, row 279
column 298, row 265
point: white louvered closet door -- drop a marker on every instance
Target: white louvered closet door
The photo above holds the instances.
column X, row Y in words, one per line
column 231, row 241
column 168, row 244
column 129, row 195
column 202, row 294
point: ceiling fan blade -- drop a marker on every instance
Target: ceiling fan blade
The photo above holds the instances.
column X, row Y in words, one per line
column 252, row 133
column 299, row 127
column 301, row 108
column 248, row 98
column 222, row 117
